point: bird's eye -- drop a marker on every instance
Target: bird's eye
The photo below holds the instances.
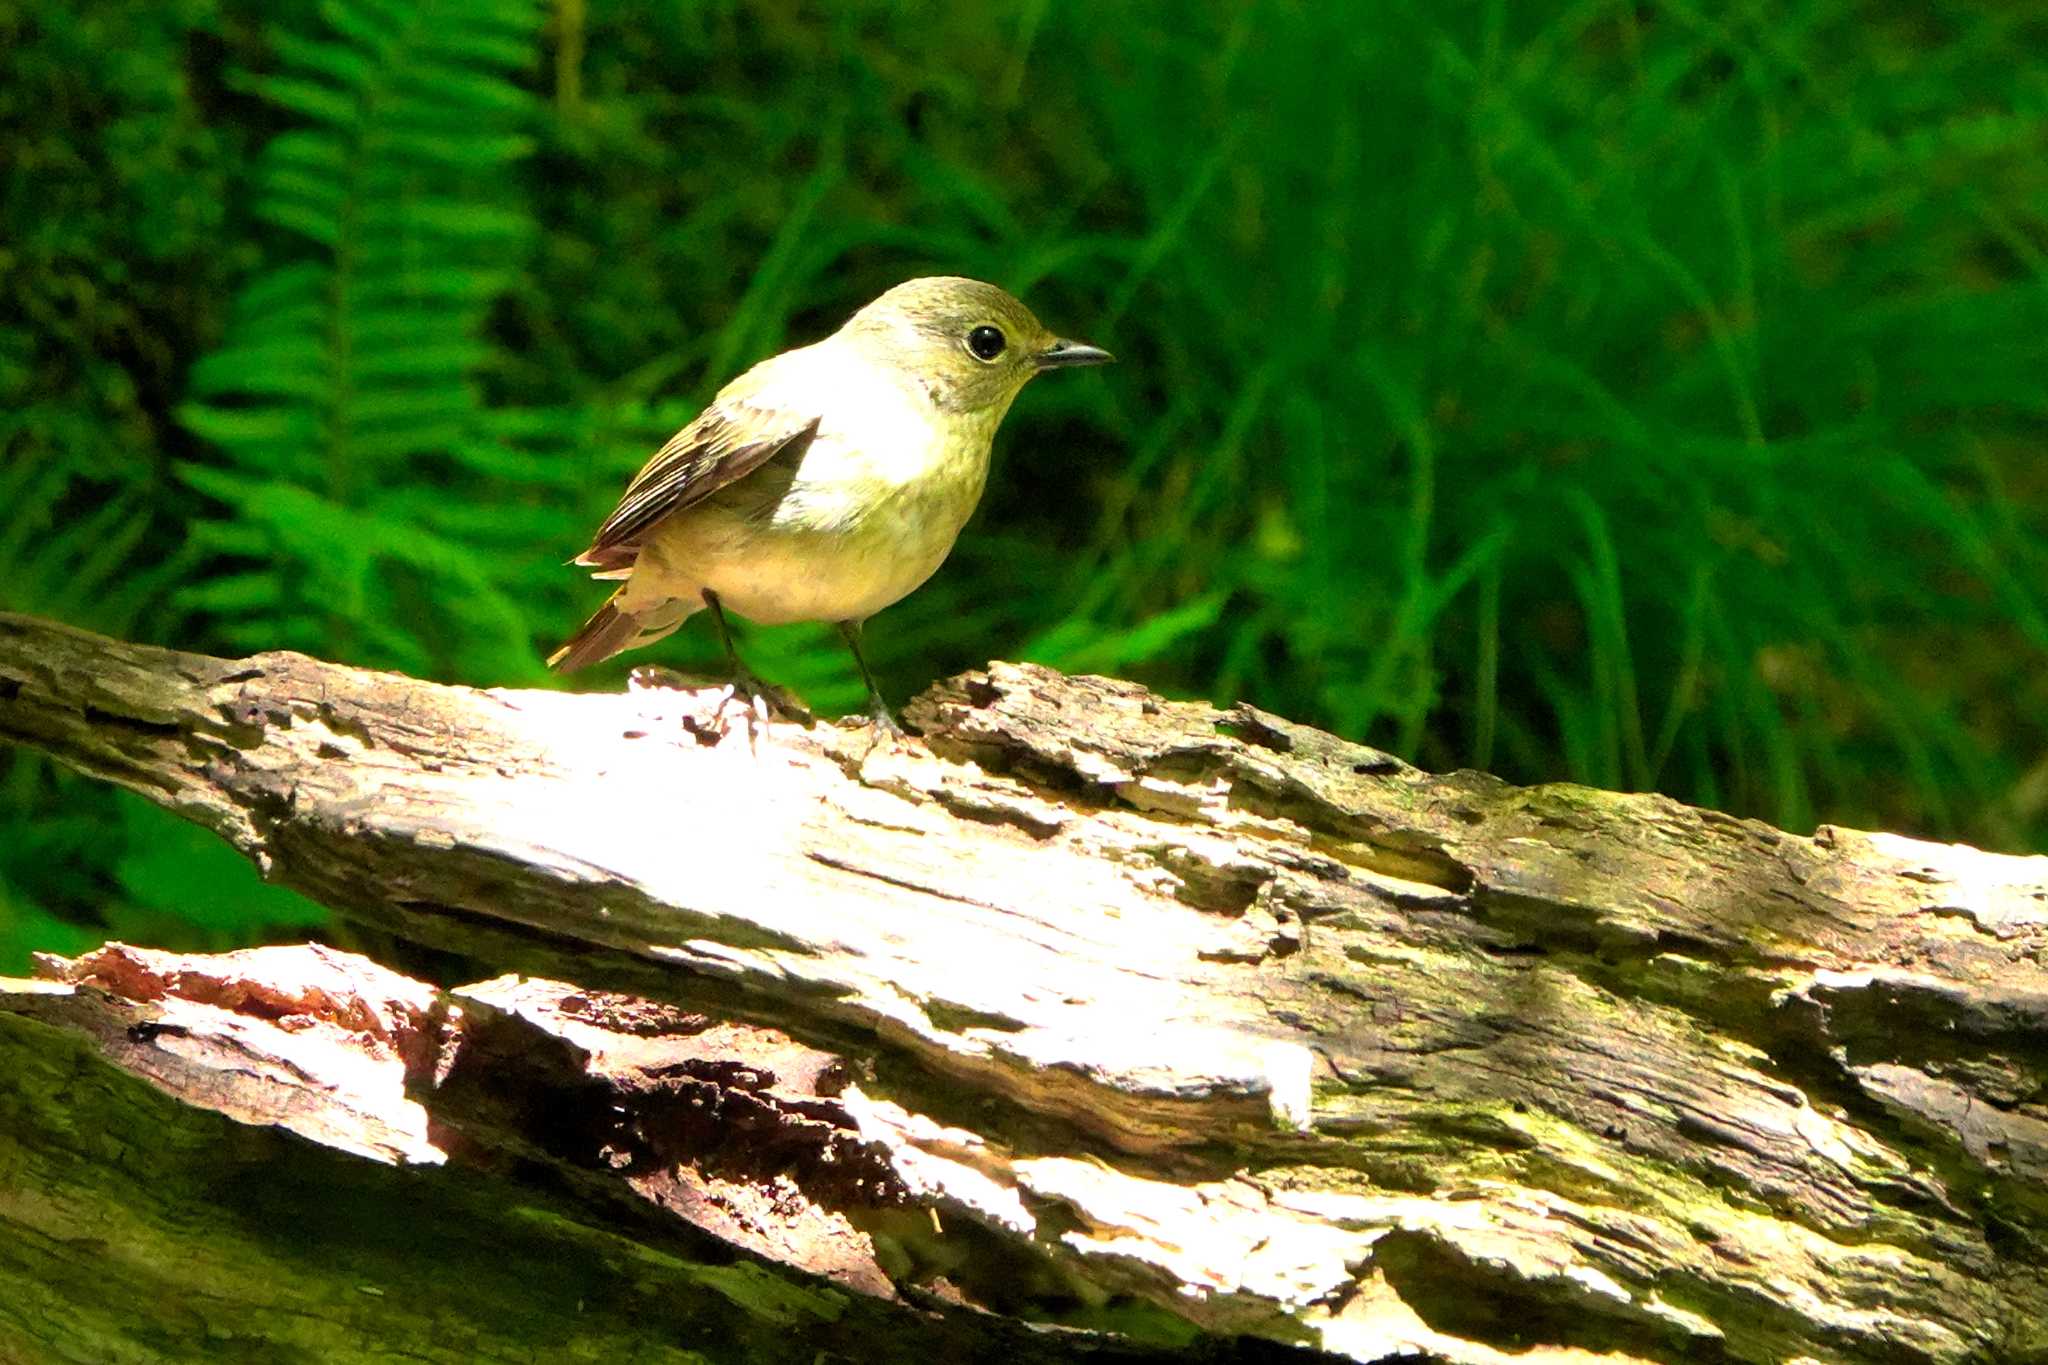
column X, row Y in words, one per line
column 987, row 342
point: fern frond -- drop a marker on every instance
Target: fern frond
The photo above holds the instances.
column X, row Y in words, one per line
column 357, row 358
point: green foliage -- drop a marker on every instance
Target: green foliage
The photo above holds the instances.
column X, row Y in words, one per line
column 349, row 373
column 1646, row 394
column 117, row 247
column 1622, row 395
column 168, row 865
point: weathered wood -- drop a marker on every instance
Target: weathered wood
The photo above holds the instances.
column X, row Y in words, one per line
column 546, row 1166
column 1214, row 1010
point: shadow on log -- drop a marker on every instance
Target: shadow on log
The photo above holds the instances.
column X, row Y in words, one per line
column 1087, row 1008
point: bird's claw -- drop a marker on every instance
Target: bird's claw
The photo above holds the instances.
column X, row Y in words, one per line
column 765, row 700
column 760, row 704
column 883, row 727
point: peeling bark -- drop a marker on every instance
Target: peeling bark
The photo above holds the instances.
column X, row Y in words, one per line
column 1122, row 1004
column 531, row 1194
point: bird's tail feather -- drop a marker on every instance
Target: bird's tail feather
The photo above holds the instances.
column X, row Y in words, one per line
column 613, row 630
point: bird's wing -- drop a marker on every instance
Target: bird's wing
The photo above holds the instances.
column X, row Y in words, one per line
column 726, row 442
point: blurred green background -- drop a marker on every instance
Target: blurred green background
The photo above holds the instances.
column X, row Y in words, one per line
column 1649, row 394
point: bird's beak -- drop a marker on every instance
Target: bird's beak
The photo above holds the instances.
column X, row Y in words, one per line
column 1063, row 353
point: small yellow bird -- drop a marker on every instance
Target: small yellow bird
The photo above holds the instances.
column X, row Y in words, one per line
column 826, row 482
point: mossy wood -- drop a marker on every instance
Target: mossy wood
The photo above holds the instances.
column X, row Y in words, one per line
column 1088, row 1007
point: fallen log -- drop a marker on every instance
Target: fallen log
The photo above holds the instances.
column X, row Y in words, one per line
column 1096, row 1008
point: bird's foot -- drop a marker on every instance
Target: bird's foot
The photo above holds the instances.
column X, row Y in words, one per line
column 766, row 699
column 743, row 698
column 759, row 704
column 883, row 727
column 884, row 720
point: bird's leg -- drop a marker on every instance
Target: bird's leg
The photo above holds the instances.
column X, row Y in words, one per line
column 761, row 697
column 879, row 713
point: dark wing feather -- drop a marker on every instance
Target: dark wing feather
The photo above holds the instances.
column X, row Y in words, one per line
column 724, row 444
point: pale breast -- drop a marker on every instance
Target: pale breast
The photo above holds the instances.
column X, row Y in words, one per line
column 866, row 514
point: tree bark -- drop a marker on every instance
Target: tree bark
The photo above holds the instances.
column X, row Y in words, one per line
column 1096, row 1008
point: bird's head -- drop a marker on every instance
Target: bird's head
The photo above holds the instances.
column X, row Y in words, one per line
column 970, row 345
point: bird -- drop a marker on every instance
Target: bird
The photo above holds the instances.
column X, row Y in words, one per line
column 825, row 483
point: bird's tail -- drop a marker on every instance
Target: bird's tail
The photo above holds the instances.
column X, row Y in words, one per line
column 614, row 629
